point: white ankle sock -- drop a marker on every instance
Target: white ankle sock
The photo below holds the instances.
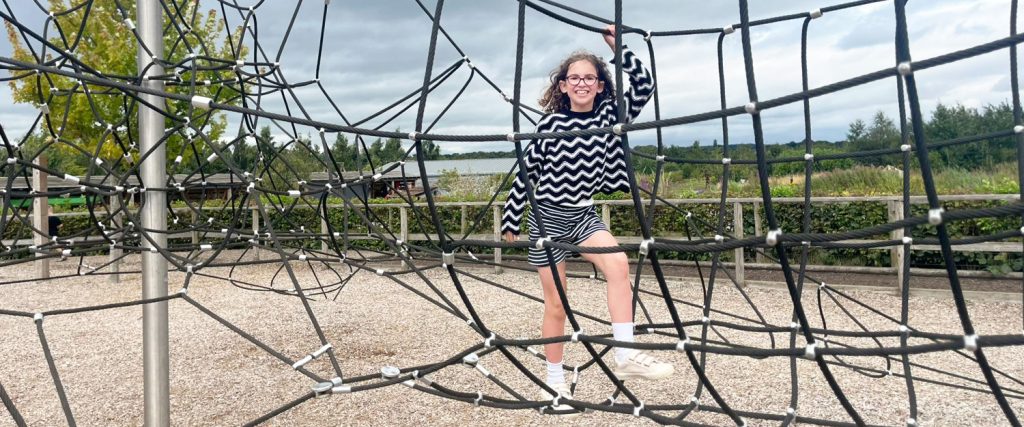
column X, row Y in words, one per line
column 622, row 332
column 556, row 375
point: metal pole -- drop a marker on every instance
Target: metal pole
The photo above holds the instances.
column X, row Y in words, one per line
column 154, row 217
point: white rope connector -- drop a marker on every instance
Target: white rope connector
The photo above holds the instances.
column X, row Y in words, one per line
column 489, row 340
column 302, row 257
column 45, row 108
column 808, row 156
column 719, row 238
column 815, row 14
column 65, row 252
column 377, row 176
column 908, row 240
column 809, row 350
column 645, row 246
column 660, row 159
column 617, row 129
column 38, row 317
column 540, row 242
column 294, row 193
column 935, row 216
column 751, row 107
column 911, row 422
column 681, row 345
column 471, row 359
column 791, row 411
column 696, row 402
column 211, row 158
column 479, row 397
column 390, row 372
column 971, row 342
column 794, row 326
column 576, row 335
column 726, row 161
column 71, row 178
column 773, row 236
column 637, row 409
column 447, row 258
column 1018, row 129
column 201, row 102
column 904, row 68
column 510, row 137
column 128, row 23
column 342, row 389
column 205, row 247
column 320, row 351
column 729, row 29
column 905, row 147
column 483, row 371
column 177, row 160
column 380, row 272
column 412, row 136
column 11, row 160
column 904, row 329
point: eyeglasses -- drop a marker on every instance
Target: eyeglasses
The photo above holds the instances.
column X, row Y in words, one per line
column 575, row 80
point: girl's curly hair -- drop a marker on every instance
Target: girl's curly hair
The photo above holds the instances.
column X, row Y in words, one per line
column 553, row 100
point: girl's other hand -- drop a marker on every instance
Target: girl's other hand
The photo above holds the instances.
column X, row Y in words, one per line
column 510, row 237
column 609, row 36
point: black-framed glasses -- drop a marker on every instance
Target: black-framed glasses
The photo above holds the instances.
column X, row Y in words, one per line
column 575, row 80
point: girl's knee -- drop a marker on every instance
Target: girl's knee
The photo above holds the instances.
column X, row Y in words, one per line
column 554, row 309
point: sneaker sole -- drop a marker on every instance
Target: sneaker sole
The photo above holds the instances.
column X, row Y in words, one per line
column 631, row 376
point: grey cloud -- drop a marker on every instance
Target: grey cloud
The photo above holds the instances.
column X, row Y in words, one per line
column 375, row 52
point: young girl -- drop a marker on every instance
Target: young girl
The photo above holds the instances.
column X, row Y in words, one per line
column 565, row 174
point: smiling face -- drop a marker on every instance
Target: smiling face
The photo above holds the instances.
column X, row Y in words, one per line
column 582, row 84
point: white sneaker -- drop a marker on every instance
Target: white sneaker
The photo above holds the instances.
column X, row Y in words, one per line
column 566, row 393
column 644, row 366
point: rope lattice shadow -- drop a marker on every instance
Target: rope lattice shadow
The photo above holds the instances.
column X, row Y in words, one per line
column 204, row 82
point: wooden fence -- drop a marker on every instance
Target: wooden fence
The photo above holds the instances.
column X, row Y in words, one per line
column 740, row 205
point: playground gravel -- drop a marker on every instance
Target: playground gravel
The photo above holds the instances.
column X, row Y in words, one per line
column 219, row 378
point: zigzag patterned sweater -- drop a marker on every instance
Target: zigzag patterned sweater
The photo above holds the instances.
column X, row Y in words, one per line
column 568, row 172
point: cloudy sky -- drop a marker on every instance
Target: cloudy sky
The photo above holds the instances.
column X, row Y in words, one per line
column 375, row 53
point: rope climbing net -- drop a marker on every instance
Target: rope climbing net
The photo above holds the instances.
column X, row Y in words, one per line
column 201, row 82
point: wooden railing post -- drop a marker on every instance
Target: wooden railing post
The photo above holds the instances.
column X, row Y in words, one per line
column 897, row 253
column 403, row 230
column 255, row 230
column 606, row 215
column 403, row 220
column 195, row 233
column 496, row 211
column 40, row 216
column 463, row 220
column 116, row 222
column 324, row 237
column 758, row 254
column 737, row 218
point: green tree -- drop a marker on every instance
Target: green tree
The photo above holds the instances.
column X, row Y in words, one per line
column 882, row 133
column 431, row 151
column 95, row 33
column 957, row 121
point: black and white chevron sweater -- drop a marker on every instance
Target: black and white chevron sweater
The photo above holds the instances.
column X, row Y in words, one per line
column 568, row 172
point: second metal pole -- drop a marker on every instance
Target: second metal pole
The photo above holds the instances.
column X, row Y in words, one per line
column 154, row 217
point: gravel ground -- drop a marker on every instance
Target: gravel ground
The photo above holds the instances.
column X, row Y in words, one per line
column 219, row 378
